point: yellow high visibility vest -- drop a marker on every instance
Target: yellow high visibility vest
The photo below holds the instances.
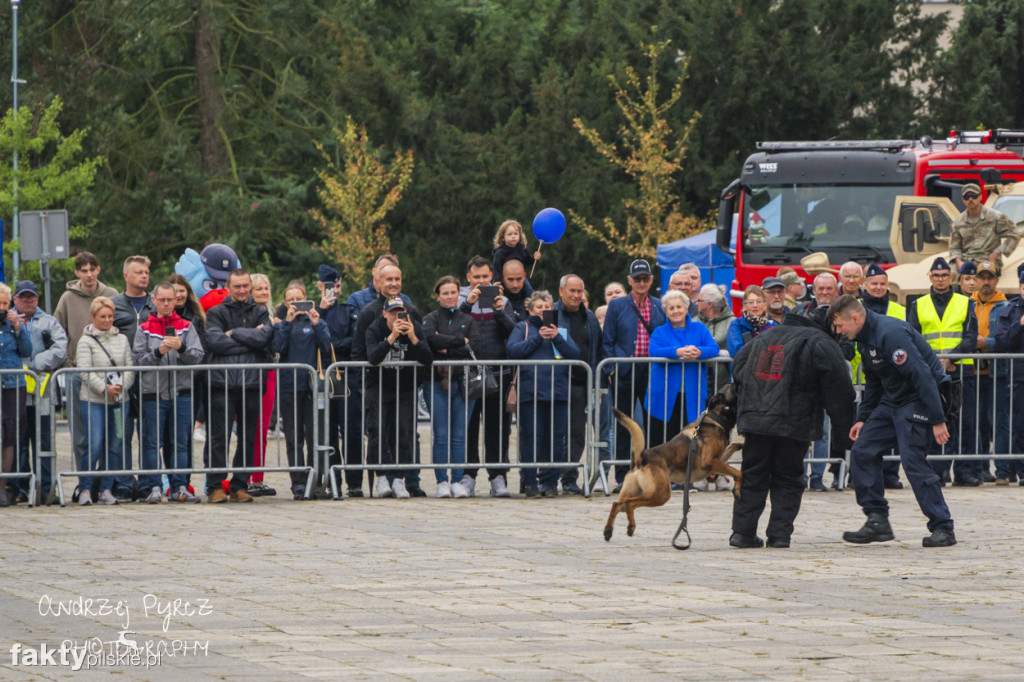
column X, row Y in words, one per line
column 946, row 334
column 30, row 383
column 894, row 310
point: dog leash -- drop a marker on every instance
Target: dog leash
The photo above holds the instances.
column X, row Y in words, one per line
column 686, row 487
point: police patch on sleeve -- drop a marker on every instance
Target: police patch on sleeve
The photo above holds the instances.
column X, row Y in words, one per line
column 899, row 356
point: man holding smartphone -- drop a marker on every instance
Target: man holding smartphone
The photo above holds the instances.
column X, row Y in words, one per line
column 495, row 320
column 166, row 339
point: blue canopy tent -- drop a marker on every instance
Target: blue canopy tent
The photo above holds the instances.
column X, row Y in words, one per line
column 715, row 265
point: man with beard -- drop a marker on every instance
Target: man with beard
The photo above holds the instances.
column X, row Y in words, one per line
column 774, row 298
column 993, row 379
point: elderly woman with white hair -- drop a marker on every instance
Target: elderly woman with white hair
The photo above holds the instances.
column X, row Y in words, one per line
column 675, row 384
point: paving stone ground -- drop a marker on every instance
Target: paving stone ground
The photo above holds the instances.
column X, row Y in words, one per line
column 517, row 589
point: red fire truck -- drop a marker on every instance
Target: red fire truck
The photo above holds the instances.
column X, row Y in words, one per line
column 797, row 198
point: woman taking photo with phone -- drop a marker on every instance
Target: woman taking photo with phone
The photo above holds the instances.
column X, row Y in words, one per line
column 298, row 338
column 543, row 393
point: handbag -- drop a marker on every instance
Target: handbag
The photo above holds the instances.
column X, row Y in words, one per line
column 477, row 381
column 334, row 382
column 512, row 399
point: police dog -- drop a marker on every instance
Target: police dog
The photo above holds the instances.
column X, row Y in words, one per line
column 648, row 483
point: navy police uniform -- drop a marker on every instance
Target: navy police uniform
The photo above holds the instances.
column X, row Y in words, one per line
column 900, row 405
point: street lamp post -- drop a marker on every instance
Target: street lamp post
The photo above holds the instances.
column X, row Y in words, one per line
column 15, row 258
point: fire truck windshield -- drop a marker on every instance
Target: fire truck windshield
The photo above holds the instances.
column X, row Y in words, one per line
column 798, row 219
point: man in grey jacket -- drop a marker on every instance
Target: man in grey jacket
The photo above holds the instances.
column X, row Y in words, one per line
column 131, row 307
column 238, row 332
column 166, row 339
column 49, row 349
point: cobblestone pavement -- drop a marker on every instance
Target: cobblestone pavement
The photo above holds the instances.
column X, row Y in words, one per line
column 513, row 589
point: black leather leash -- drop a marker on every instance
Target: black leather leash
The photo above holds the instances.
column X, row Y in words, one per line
column 686, row 487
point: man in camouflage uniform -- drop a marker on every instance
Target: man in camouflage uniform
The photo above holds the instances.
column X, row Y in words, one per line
column 980, row 233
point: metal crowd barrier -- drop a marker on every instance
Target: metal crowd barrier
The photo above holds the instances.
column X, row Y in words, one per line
column 375, row 407
column 25, row 427
column 365, row 429
column 120, row 422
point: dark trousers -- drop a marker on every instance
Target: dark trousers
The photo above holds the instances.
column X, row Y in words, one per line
column 497, row 424
column 577, row 429
column 626, row 391
column 994, row 420
column 962, row 433
column 378, row 446
column 398, row 433
column 347, row 423
column 30, row 451
column 664, row 431
column 241, row 405
column 1017, row 430
column 891, row 427
column 542, row 439
column 771, row 465
column 297, row 417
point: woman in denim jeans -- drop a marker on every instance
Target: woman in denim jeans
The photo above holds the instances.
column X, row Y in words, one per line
column 102, row 396
column 448, row 331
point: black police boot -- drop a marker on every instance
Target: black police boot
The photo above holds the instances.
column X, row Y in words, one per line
column 745, row 541
column 875, row 529
column 966, row 481
column 940, row 537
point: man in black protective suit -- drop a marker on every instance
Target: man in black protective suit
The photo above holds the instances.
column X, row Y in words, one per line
column 784, row 378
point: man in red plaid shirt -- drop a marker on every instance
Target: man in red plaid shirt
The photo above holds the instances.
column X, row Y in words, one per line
column 627, row 334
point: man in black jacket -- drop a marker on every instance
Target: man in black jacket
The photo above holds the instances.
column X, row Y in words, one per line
column 239, row 333
column 396, row 337
column 388, row 284
column 783, row 379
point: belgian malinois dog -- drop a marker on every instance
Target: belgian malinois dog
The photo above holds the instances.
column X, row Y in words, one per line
column 648, row 483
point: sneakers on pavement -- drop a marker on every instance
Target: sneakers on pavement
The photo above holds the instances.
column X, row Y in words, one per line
column 85, row 498
column 470, row 485
column 240, row 496
column 261, row 489
column 183, row 495
column 383, row 488
column 155, row 497
column 817, row 485
column 398, row 488
column 459, row 491
column 107, row 497
column 571, row 488
column 199, row 434
column 444, row 490
column 723, row 483
column 498, row 487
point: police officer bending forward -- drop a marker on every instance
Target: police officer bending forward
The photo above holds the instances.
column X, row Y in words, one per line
column 900, row 408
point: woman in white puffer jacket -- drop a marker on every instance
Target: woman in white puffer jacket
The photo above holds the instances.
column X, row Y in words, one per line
column 102, row 397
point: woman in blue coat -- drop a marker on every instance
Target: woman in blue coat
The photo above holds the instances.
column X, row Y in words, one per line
column 679, row 339
column 543, row 393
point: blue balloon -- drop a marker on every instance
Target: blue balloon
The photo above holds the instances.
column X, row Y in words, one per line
column 549, row 225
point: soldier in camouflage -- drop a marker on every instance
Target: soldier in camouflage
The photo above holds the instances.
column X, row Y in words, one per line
column 980, row 233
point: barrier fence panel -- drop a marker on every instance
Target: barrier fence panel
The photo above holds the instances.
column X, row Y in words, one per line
column 156, row 408
column 355, row 420
column 472, row 407
column 19, row 429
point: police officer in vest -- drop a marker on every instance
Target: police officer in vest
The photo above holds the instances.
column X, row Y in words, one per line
column 947, row 322
column 901, row 407
column 875, row 297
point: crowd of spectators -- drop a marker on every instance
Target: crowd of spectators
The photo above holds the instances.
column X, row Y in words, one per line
column 491, row 315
